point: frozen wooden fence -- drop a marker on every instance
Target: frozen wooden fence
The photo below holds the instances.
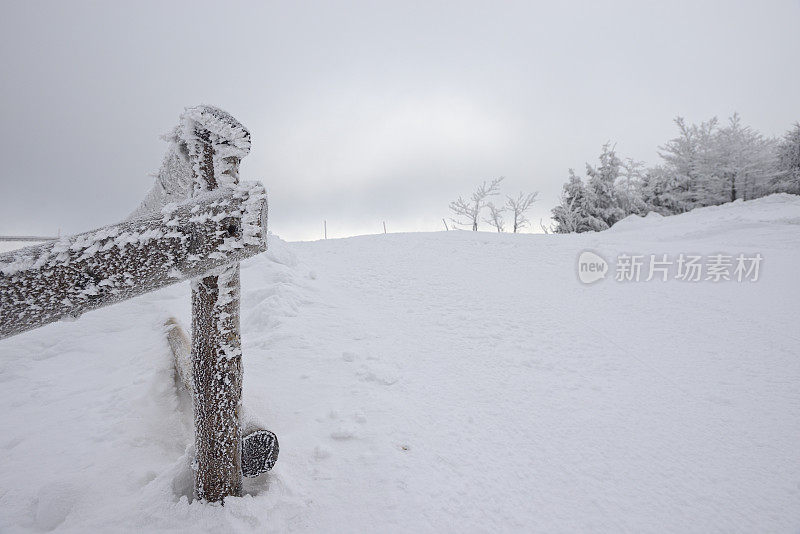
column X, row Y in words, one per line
column 76, row 274
column 215, row 223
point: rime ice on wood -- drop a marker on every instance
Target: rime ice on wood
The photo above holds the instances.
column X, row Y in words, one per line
column 259, row 446
column 173, row 181
column 216, row 143
column 176, row 176
column 205, row 150
column 67, row 277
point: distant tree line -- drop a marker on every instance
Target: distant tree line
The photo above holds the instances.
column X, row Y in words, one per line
column 705, row 165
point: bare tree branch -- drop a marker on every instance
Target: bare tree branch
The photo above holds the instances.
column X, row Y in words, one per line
column 518, row 206
column 467, row 212
column 495, row 217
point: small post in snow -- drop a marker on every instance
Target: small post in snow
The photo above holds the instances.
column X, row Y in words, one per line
column 325, row 226
column 384, row 227
column 445, row 224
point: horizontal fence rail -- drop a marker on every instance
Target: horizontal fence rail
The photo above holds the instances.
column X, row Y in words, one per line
column 59, row 279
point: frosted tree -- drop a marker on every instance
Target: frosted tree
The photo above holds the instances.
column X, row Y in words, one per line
column 518, row 206
column 787, row 178
column 495, row 217
column 711, row 165
column 613, row 190
column 566, row 216
column 660, row 191
column 629, row 187
column 571, row 214
column 690, row 161
column 745, row 162
column 468, row 211
column 706, row 164
column 604, row 205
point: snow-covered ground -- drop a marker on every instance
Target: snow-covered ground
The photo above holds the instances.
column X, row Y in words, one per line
column 454, row 382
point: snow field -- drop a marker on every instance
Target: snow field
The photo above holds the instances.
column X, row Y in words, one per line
column 453, row 381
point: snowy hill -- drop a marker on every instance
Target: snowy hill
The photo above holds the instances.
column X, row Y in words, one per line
column 452, row 381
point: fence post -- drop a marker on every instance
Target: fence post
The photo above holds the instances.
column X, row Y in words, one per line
column 216, row 341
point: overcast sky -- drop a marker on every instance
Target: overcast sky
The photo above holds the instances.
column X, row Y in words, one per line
column 373, row 111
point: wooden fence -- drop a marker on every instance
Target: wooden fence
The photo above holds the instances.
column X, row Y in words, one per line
column 216, row 223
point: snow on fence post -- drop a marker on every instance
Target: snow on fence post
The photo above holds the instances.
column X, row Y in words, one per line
column 216, row 143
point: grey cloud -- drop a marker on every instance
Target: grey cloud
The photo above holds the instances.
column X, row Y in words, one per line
column 368, row 111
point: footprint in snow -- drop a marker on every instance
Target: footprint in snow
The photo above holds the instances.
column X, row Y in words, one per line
column 380, row 374
column 375, row 371
column 320, row 452
column 344, row 433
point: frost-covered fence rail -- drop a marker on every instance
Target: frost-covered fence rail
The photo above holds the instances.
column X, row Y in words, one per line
column 75, row 274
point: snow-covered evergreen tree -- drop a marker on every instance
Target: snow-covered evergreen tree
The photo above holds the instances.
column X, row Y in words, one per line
column 661, row 192
column 567, row 218
column 629, row 187
column 603, row 203
column 571, row 214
